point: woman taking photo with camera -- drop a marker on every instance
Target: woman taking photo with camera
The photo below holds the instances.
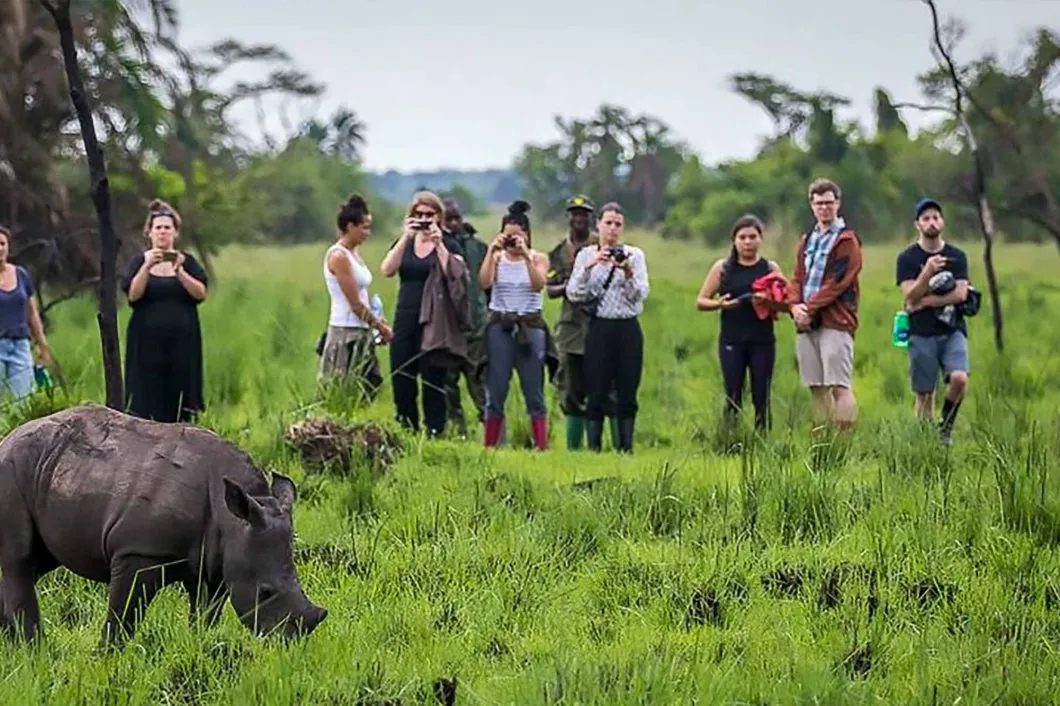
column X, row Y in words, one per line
column 516, row 333
column 746, row 341
column 610, row 279
column 412, row 257
column 163, row 357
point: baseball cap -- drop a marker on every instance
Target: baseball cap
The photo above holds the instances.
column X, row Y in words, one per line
column 923, row 204
column 579, row 202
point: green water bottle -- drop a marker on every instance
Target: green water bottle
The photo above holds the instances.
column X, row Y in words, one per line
column 900, row 334
column 42, row 377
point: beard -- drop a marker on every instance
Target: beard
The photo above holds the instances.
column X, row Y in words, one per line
column 931, row 232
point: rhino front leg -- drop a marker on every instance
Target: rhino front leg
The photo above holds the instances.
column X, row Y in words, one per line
column 134, row 582
column 20, row 614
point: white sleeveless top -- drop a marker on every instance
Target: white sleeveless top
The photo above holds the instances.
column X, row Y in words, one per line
column 341, row 314
column 511, row 291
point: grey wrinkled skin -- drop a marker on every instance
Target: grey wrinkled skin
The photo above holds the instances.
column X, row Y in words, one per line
column 139, row 505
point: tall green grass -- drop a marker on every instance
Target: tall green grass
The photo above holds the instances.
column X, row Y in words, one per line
column 784, row 569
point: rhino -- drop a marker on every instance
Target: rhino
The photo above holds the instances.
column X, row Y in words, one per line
column 139, row 505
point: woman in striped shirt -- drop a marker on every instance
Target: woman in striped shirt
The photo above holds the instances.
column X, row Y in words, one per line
column 611, row 280
column 516, row 334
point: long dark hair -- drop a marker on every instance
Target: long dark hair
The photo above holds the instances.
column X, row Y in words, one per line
column 748, row 220
column 516, row 215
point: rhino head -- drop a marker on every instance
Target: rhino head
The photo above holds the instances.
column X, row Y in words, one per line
column 259, row 566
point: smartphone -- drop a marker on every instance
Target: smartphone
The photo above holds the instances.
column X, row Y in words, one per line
column 169, row 256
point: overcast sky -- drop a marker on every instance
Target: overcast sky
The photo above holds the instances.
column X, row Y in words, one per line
column 465, row 83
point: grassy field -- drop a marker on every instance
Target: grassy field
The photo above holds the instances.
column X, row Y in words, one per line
column 881, row 570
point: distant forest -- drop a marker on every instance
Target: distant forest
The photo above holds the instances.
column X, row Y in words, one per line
column 489, row 187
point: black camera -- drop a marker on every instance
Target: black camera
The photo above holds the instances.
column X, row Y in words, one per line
column 617, row 253
column 509, row 241
column 422, row 225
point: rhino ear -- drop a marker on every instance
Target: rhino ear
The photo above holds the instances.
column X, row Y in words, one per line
column 241, row 504
column 284, row 491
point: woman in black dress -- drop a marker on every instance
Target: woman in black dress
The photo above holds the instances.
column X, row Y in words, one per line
column 411, row 257
column 163, row 359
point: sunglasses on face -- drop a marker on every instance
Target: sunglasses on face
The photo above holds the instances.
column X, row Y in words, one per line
column 423, row 214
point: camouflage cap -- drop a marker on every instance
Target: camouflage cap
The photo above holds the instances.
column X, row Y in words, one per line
column 579, row 202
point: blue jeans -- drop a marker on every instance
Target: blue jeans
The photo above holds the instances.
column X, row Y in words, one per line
column 16, row 357
column 503, row 355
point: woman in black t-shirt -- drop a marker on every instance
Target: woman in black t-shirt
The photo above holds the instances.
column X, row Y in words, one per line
column 746, row 341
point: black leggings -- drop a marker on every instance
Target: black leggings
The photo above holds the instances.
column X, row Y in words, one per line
column 736, row 359
column 406, row 363
column 614, row 359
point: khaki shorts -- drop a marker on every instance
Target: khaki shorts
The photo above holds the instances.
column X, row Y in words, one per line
column 825, row 357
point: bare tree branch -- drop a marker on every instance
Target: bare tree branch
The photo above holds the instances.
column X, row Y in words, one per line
column 986, row 219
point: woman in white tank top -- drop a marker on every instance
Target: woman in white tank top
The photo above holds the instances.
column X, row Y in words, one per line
column 516, row 335
column 349, row 344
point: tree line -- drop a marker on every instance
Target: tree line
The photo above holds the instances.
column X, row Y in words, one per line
column 1012, row 111
column 164, row 116
column 165, row 119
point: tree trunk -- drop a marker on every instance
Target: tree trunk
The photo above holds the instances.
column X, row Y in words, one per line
column 107, row 295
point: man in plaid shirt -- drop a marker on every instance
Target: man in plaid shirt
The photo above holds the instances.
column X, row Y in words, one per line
column 824, row 294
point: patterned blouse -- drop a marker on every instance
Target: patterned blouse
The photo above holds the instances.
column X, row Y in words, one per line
column 624, row 297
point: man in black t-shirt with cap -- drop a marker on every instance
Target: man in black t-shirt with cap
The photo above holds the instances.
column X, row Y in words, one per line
column 933, row 277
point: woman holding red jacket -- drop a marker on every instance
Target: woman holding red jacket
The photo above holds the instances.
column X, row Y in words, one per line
column 752, row 292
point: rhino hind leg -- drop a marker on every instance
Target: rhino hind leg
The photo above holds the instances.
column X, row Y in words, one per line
column 23, row 560
column 134, row 582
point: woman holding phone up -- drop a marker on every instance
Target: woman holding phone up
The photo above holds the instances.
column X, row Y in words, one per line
column 163, row 358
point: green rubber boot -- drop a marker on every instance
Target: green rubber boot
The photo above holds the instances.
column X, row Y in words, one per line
column 615, row 437
column 575, row 432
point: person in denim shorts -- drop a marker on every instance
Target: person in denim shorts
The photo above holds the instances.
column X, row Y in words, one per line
column 933, row 277
column 20, row 323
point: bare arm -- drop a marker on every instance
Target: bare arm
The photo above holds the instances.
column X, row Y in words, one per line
column 705, row 301
column 389, row 266
column 191, row 285
column 443, row 256
column 537, row 266
column 934, row 301
column 36, row 327
column 487, row 273
column 139, row 281
column 913, row 290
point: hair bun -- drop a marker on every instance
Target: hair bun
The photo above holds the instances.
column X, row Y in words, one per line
column 519, row 207
column 157, row 205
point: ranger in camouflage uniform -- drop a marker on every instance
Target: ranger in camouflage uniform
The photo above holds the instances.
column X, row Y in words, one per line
column 475, row 370
column 573, row 323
